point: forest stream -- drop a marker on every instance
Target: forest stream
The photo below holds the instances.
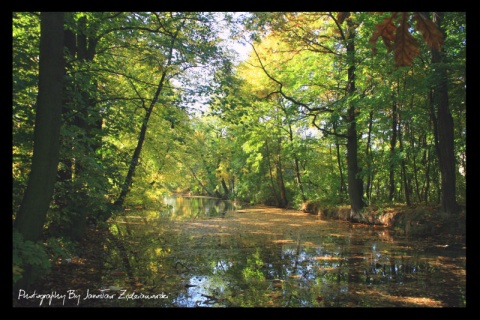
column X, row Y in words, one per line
column 204, row 252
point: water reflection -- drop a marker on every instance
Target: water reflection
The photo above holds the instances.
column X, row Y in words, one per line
column 180, row 208
column 203, row 253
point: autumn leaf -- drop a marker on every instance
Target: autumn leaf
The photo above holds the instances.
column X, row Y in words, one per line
column 429, row 31
column 400, row 39
column 386, row 30
column 406, row 47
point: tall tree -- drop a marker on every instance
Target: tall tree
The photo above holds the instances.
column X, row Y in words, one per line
column 406, row 48
column 148, row 111
column 305, row 38
column 38, row 195
column 82, row 182
column 85, row 122
column 355, row 183
column 446, row 148
column 189, row 42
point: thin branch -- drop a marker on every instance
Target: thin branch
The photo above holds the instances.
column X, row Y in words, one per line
column 327, row 132
column 289, row 98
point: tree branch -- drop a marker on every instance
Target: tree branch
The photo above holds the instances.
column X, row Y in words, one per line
column 289, row 98
column 327, row 132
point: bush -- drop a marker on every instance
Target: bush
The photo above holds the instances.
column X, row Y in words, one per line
column 39, row 255
column 28, row 253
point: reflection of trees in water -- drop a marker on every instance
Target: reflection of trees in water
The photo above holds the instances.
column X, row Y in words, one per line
column 245, row 263
column 196, row 207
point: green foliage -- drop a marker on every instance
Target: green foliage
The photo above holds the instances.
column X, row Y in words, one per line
column 39, row 255
column 222, row 148
column 28, row 253
column 61, row 248
column 253, row 269
column 25, row 50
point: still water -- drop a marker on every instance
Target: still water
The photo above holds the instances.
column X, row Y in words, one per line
column 203, row 252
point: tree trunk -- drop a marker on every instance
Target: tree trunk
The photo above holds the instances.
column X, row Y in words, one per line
column 65, row 170
column 418, row 192
column 446, row 145
column 87, row 141
column 427, row 177
column 281, row 182
column 368, row 152
column 136, row 154
column 339, row 163
column 271, row 173
column 406, row 183
column 297, row 166
column 434, row 121
column 355, row 184
column 225, row 189
column 393, row 142
column 38, row 195
column 211, row 194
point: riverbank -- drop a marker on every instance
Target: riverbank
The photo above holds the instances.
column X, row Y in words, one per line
column 413, row 221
